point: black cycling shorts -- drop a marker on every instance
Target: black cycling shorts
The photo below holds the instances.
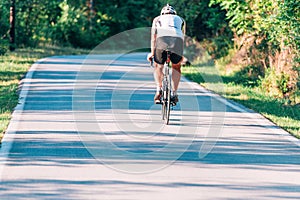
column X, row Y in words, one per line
column 172, row 44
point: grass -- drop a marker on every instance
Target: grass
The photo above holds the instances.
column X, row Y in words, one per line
column 229, row 86
column 13, row 67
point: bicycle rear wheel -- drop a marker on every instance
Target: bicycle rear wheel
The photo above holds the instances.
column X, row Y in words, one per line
column 166, row 104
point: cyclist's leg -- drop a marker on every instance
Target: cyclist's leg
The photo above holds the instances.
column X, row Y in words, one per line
column 159, row 59
column 176, row 75
column 158, row 76
column 176, row 58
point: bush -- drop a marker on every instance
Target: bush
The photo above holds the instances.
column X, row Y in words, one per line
column 4, row 46
column 248, row 76
column 277, row 84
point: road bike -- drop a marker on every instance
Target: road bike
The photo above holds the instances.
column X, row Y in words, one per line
column 166, row 101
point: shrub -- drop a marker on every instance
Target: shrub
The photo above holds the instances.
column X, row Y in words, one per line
column 4, row 46
column 277, row 84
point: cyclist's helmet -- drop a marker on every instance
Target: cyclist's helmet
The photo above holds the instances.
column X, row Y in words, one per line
column 167, row 9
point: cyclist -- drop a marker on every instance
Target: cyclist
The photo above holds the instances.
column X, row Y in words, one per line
column 167, row 33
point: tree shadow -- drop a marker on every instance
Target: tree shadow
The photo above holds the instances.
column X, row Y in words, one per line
column 49, row 101
column 247, row 77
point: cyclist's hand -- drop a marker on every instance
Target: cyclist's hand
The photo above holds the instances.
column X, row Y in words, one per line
column 185, row 62
column 150, row 57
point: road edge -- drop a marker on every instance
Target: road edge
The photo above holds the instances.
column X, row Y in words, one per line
column 8, row 137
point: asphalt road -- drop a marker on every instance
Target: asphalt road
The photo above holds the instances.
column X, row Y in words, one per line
column 86, row 128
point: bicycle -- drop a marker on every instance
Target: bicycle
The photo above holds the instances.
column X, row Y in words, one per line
column 166, row 90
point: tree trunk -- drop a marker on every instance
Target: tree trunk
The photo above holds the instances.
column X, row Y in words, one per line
column 12, row 21
column 91, row 14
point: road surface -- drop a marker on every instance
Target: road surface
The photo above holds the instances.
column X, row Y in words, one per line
column 86, row 128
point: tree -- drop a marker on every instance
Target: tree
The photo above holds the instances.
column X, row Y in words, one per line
column 12, row 22
column 267, row 34
column 4, row 24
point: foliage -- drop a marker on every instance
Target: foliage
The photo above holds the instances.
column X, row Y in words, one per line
column 206, row 24
column 275, row 84
column 267, row 34
column 263, row 33
column 80, row 23
column 34, row 19
column 73, row 27
column 3, row 46
column 4, row 24
column 288, row 24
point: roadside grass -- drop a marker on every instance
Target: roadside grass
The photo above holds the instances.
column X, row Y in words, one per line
column 13, row 67
column 276, row 110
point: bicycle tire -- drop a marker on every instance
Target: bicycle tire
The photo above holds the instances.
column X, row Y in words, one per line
column 163, row 106
column 164, row 99
column 168, row 101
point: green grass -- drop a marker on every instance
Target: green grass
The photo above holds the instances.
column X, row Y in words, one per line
column 285, row 116
column 13, row 66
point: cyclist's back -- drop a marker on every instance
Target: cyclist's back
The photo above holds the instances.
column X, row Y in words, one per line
column 169, row 25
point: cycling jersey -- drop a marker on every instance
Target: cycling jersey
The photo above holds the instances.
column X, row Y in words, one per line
column 167, row 34
column 168, row 25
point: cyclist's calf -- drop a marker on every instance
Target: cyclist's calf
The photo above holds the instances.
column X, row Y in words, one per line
column 177, row 67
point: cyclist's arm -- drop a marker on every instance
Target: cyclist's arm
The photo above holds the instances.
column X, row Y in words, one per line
column 153, row 35
column 153, row 41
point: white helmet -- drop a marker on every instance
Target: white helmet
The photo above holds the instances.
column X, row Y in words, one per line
column 167, row 9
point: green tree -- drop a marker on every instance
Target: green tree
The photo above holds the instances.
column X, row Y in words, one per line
column 4, row 24
column 34, row 19
column 266, row 34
